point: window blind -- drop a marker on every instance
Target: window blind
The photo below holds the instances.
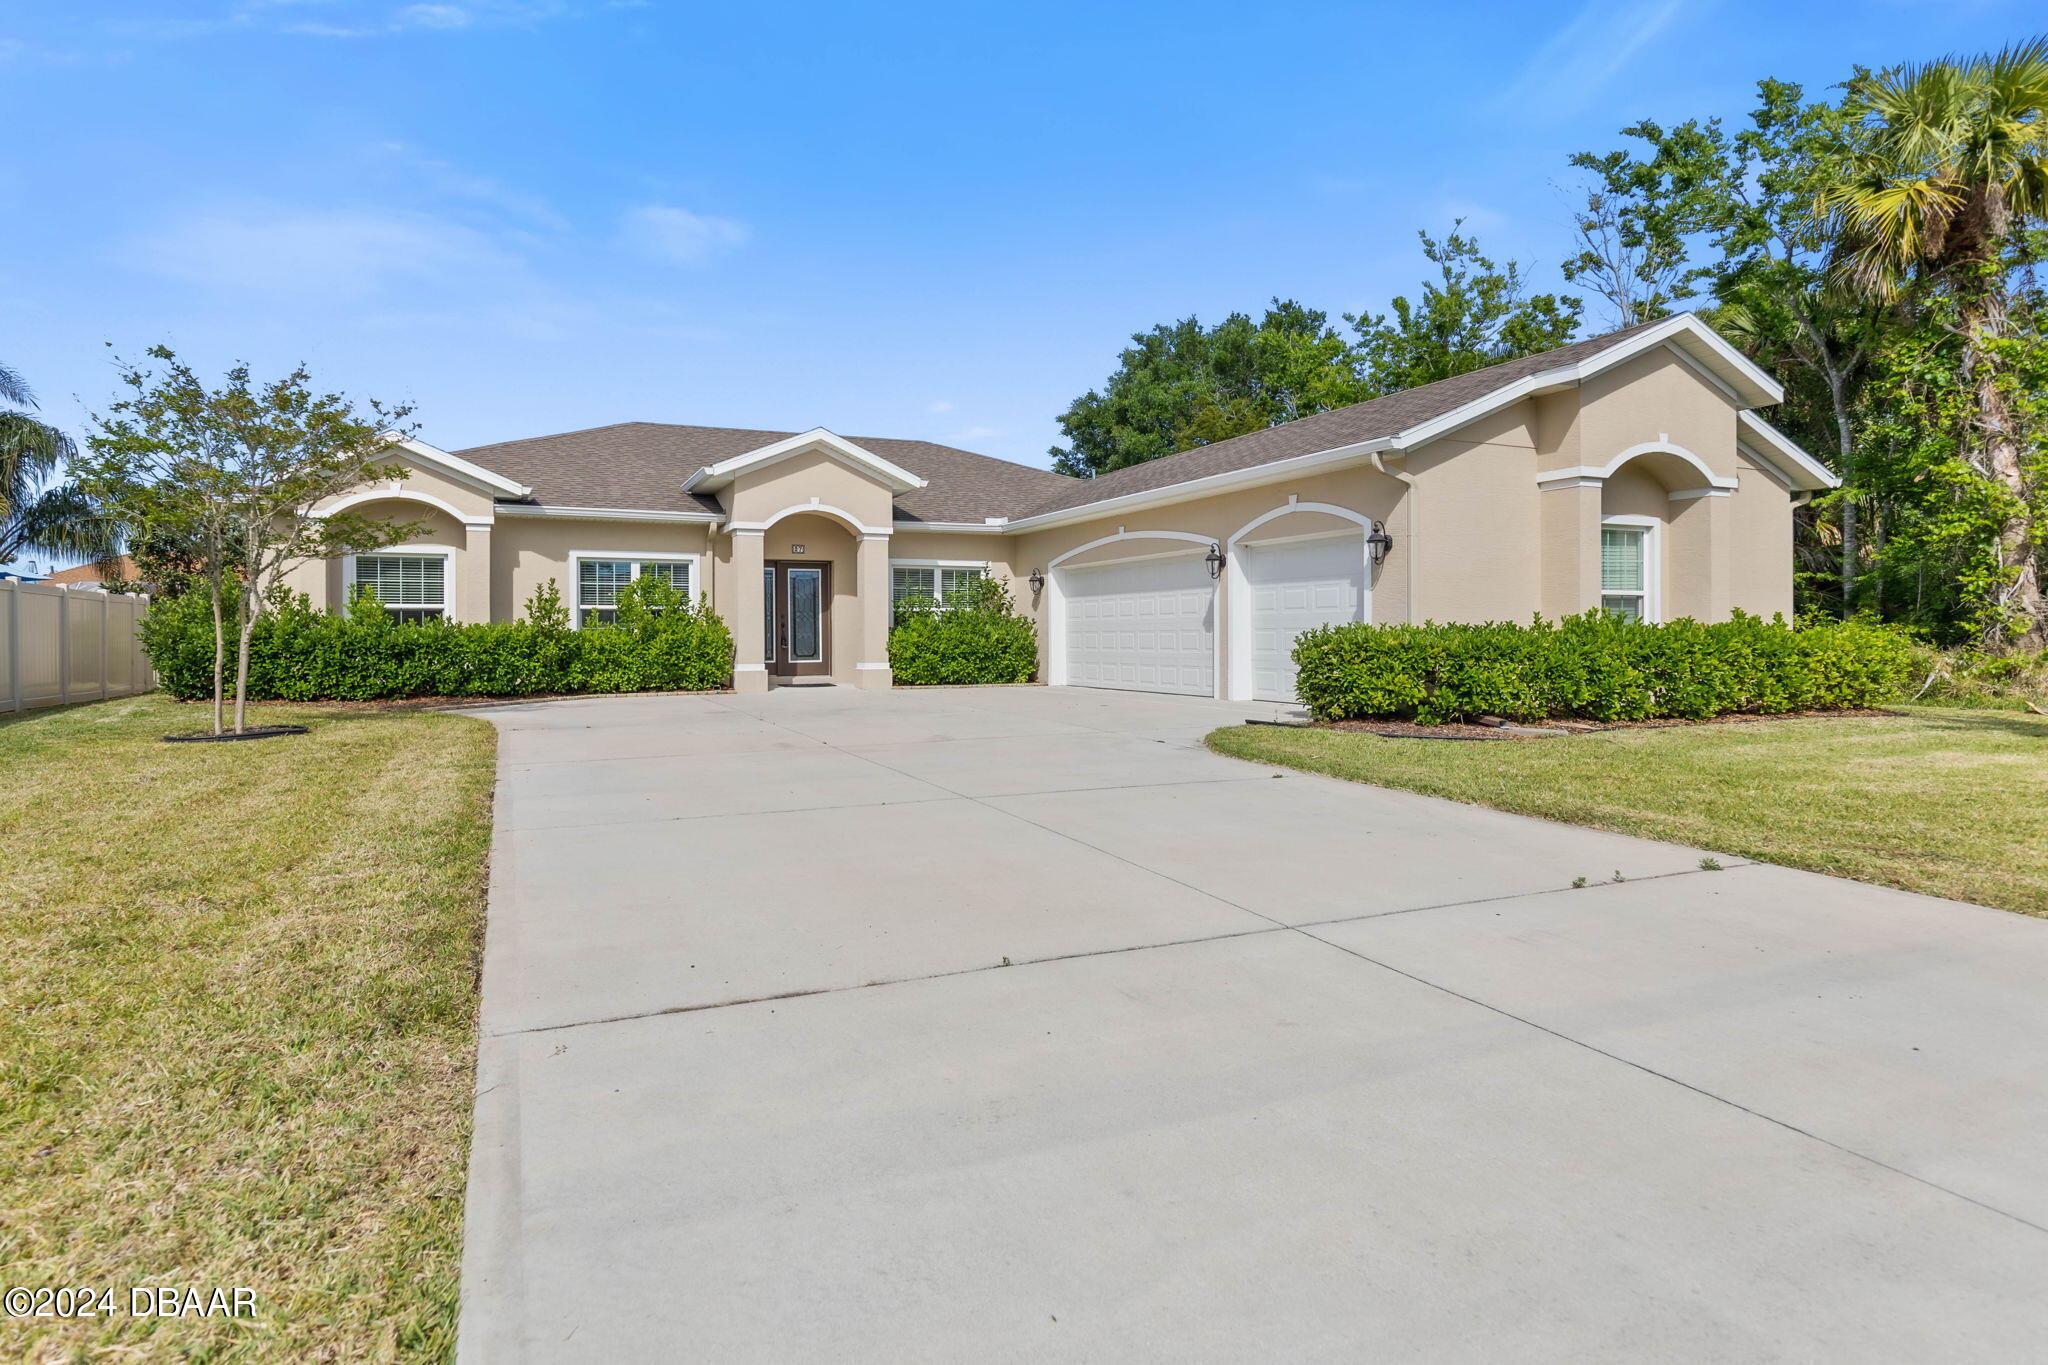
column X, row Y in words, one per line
column 404, row 580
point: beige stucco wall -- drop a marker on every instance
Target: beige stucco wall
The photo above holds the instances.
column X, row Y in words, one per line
column 1217, row 519
column 1656, row 397
column 1478, row 521
column 809, row 477
column 1760, row 544
column 528, row 551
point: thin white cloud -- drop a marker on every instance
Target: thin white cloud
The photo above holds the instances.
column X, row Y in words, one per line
column 678, row 236
column 980, row 433
column 939, row 405
column 278, row 250
column 360, row 18
column 1577, row 61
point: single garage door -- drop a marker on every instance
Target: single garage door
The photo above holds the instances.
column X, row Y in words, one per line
column 1147, row 627
column 1293, row 587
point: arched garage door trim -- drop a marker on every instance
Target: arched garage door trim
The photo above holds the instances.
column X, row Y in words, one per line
column 1056, row 596
column 1241, row 626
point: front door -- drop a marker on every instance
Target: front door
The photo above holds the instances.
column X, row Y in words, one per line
column 797, row 603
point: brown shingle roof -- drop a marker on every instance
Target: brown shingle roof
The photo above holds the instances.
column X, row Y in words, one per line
column 1374, row 419
column 643, row 465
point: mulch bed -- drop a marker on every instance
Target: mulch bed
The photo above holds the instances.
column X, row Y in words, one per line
column 456, row 703
column 1408, row 729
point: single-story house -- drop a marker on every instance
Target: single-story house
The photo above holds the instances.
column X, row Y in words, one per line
column 121, row 570
column 1628, row 472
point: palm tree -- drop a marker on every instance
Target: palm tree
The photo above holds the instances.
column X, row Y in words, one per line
column 1956, row 167
column 34, row 513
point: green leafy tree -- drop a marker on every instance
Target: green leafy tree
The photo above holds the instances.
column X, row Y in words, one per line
column 1182, row 384
column 1474, row 314
column 232, row 474
column 1938, row 204
column 39, row 513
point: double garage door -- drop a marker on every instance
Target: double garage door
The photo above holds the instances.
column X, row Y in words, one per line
column 1150, row 626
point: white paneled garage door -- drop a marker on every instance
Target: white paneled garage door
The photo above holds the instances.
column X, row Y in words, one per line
column 1292, row 588
column 1147, row 627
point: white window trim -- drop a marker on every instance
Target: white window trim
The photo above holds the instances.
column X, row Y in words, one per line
column 983, row 566
column 1653, row 563
column 449, row 595
column 694, row 558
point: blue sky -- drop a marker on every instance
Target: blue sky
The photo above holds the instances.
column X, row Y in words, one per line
column 922, row 220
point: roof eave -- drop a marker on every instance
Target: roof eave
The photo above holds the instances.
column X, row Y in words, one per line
column 892, row 476
column 1780, row 451
column 475, row 475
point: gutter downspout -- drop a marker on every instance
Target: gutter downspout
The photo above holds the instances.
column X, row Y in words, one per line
column 1414, row 558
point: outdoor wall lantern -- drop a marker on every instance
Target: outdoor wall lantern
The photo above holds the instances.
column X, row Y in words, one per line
column 1037, row 580
column 1215, row 561
column 1379, row 542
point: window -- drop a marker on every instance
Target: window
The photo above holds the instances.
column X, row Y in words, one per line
column 1625, row 571
column 935, row 582
column 598, row 582
column 412, row 587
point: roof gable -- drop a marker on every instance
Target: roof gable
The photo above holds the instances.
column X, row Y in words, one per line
column 895, row 478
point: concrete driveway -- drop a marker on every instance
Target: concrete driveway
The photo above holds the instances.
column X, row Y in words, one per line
column 1011, row 1025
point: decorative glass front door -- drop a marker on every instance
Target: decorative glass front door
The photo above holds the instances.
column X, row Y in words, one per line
column 796, row 614
column 804, row 598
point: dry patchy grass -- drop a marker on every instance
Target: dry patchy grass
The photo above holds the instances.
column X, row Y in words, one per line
column 239, row 991
column 1947, row 802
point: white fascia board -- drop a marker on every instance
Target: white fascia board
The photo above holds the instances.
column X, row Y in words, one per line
column 1699, row 342
column 510, row 509
column 994, row 526
column 1774, row 447
column 1696, row 341
column 895, row 477
column 1203, row 487
column 473, row 474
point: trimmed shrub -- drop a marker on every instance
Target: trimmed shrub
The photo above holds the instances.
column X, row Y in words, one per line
column 1597, row 667
column 658, row 643
column 978, row 636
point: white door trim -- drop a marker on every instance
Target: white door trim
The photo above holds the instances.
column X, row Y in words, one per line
column 1237, row 686
column 1056, row 598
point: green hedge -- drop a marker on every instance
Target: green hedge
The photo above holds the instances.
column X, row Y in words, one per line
column 979, row 637
column 1596, row 667
column 299, row 654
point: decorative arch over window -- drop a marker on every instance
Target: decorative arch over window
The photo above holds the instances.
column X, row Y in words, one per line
column 361, row 496
column 1694, row 477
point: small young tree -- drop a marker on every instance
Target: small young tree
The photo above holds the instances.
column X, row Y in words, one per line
column 232, row 475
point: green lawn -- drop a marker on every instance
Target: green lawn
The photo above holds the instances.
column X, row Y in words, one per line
column 1952, row 803
column 237, row 1046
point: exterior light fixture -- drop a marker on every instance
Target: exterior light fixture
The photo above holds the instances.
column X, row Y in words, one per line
column 1037, row 580
column 1215, row 561
column 1379, row 542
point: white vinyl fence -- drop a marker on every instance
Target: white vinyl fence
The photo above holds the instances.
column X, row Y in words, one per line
column 60, row 644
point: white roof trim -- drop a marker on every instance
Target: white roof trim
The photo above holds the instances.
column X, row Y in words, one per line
column 1778, row 450
column 1580, row 475
column 895, row 477
column 1692, row 339
column 473, row 474
column 840, row 514
column 515, row 509
column 1202, row 487
column 993, row 526
column 384, row 493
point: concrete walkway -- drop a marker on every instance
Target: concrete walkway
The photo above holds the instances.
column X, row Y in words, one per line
column 1012, row 1025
